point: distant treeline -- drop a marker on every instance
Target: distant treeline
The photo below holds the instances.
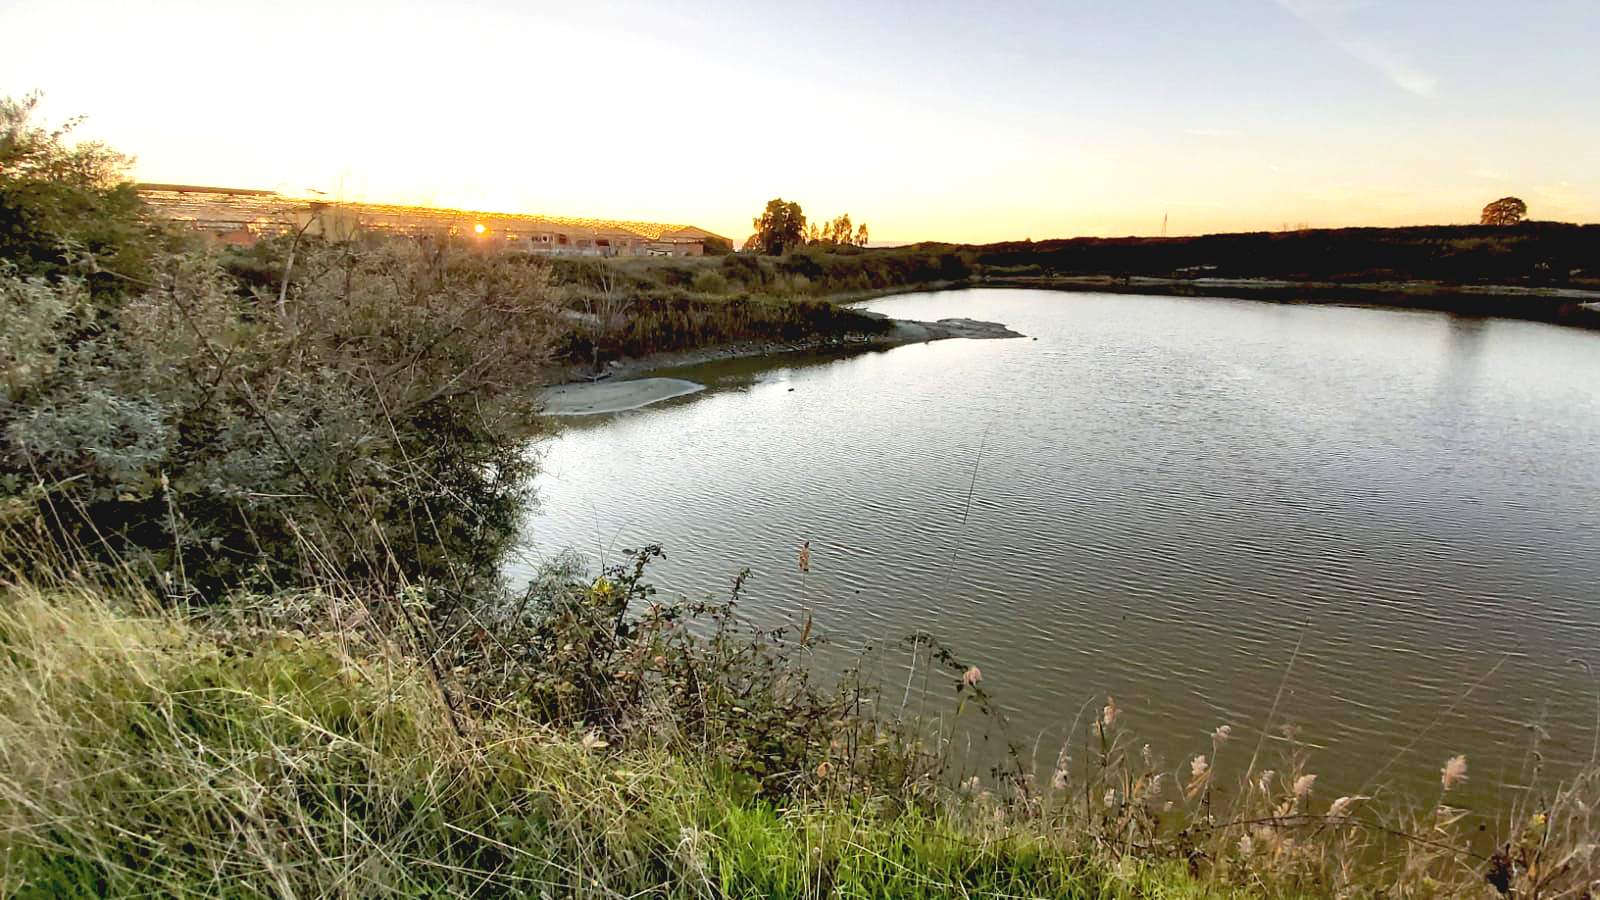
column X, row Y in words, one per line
column 1536, row 253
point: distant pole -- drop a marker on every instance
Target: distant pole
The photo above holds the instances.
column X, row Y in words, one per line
column 1164, row 224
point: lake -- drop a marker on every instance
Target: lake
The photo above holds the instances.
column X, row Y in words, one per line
column 1159, row 498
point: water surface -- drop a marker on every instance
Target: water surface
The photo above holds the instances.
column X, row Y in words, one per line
column 1159, row 498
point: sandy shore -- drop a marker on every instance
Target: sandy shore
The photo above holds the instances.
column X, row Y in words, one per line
column 593, row 398
column 620, row 387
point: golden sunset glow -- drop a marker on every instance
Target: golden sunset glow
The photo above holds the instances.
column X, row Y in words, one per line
column 478, row 228
column 928, row 121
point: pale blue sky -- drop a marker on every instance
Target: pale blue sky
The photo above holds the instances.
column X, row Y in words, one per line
column 934, row 120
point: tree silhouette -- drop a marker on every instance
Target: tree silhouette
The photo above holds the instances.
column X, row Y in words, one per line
column 1505, row 211
column 780, row 229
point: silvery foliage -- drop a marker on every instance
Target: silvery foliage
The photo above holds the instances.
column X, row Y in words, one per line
column 60, row 405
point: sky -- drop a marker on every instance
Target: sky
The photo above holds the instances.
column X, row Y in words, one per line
column 967, row 121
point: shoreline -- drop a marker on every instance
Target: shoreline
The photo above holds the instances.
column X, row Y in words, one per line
column 1573, row 307
column 624, row 385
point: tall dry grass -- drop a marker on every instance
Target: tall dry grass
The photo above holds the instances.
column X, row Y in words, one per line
column 1254, row 819
column 144, row 753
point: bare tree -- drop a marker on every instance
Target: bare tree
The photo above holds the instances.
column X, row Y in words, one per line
column 605, row 304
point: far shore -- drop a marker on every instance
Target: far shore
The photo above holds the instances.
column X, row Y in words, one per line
column 1579, row 307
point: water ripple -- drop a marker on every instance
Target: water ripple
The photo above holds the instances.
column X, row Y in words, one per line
column 1167, row 496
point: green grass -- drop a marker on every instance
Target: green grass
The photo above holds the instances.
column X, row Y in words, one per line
column 157, row 753
column 142, row 755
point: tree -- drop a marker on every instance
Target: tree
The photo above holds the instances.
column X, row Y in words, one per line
column 835, row 234
column 780, row 229
column 1505, row 211
column 66, row 208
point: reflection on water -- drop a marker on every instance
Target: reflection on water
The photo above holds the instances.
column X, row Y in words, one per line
column 1160, row 498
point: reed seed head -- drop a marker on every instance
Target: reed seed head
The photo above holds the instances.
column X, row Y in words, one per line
column 1341, row 807
column 1454, row 772
column 1200, row 776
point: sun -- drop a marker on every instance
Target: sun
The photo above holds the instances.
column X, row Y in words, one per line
column 478, row 228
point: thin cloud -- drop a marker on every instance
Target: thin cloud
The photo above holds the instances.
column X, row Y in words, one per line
column 1560, row 200
column 1216, row 132
column 1332, row 19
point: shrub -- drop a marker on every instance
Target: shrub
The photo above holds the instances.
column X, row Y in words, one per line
column 68, row 208
column 710, row 283
column 371, row 424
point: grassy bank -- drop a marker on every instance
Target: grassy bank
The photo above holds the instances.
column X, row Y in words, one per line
column 294, row 746
column 150, row 754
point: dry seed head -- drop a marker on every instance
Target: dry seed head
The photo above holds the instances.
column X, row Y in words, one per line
column 1221, row 735
column 1302, row 785
column 1341, row 807
column 1264, row 780
column 1200, row 772
column 1454, row 772
column 1108, row 716
column 1059, row 779
column 692, row 848
column 971, row 676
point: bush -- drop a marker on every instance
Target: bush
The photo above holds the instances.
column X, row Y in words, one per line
column 710, row 283
column 371, row 425
column 68, row 208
